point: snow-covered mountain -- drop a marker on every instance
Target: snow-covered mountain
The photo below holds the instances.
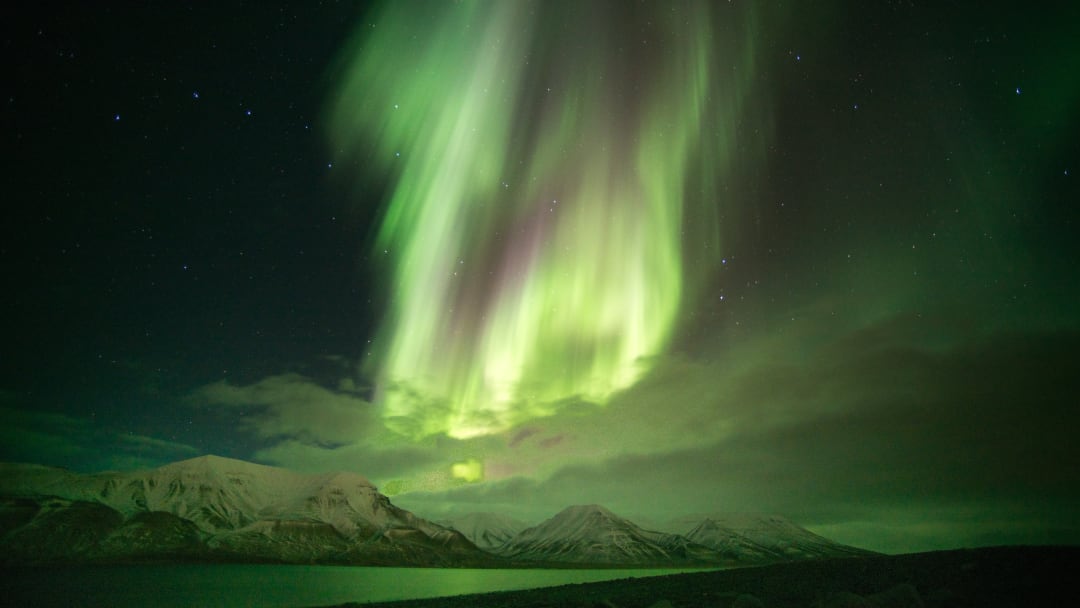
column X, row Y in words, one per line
column 759, row 537
column 489, row 531
column 590, row 534
column 223, row 509
column 219, row 508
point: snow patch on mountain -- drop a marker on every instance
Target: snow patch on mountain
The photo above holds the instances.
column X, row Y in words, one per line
column 760, row 536
column 592, row 534
column 223, row 506
column 488, row 531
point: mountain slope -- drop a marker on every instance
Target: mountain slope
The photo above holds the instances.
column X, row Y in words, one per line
column 212, row 508
column 590, row 534
column 216, row 508
column 488, row 531
column 760, row 537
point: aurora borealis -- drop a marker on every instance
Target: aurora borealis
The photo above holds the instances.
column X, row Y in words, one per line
column 667, row 257
column 537, row 226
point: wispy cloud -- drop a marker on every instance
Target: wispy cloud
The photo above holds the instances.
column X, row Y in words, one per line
column 59, row 439
column 291, row 406
column 880, row 442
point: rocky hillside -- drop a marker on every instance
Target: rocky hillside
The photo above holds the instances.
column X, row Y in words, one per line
column 218, row 509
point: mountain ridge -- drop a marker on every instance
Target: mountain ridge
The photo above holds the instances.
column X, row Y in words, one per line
column 216, row 508
column 771, row 536
column 223, row 509
column 487, row 530
column 592, row 533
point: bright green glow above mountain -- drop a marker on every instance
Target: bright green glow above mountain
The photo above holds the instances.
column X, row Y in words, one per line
column 556, row 172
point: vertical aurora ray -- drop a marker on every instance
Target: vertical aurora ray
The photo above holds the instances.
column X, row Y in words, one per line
column 549, row 164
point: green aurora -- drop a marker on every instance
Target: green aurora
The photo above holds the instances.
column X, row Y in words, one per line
column 548, row 177
column 812, row 259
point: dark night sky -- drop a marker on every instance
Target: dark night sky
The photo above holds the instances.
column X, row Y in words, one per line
column 175, row 216
column 885, row 350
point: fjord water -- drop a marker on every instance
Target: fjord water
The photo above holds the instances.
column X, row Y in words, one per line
column 269, row 586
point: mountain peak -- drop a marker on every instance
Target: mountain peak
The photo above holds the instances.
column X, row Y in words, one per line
column 593, row 534
column 585, row 510
column 488, row 531
column 762, row 535
column 213, row 461
column 589, row 507
column 231, row 509
column 348, row 478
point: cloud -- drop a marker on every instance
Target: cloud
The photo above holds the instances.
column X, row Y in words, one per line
column 879, row 442
column 59, row 440
column 379, row 464
column 896, row 435
column 522, row 435
column 305, row 426
column 291, row 406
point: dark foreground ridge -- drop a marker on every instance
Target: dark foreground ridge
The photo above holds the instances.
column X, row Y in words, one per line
column 986, row 577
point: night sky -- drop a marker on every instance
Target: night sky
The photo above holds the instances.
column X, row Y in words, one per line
column 817, row 259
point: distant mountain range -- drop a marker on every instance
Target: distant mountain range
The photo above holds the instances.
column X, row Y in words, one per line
column 220, row 509
column 590, row 534
column 488, row 531
column 760, row 538
column 212, row 508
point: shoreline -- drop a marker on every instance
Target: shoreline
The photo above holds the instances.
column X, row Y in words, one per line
column 984, row 577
